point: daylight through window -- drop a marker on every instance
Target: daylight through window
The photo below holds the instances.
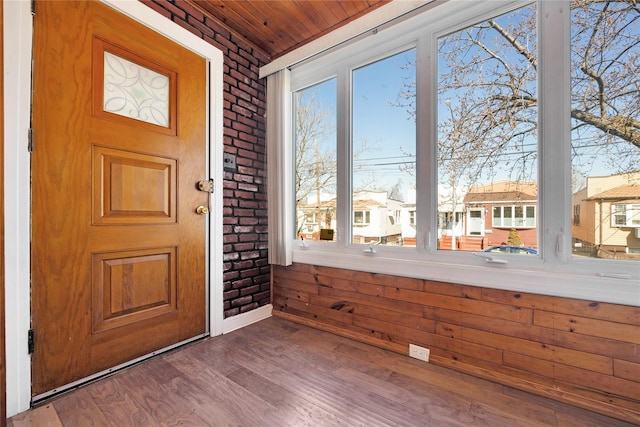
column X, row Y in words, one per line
column 499, row 135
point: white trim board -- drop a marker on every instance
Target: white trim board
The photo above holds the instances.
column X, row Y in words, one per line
column 239, row 321
column 18, row 30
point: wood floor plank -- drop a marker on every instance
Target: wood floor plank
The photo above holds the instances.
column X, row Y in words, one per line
column 360, row 373
column 292, row 407
column 78, row 408
column 193, row 399
column 43, row 416
column 249, row 408
column 343, row 407
column 279, row 373
column 117, row 405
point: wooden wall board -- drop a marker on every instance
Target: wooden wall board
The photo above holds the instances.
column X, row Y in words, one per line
column 582, row 352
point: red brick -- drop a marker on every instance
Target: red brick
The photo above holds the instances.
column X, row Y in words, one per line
column 250, row 290
column 226, row 45
column 190, row 10
column 232, row 312
column 250, row 272
column 249, row 221
column 249, row 255
column 248, row 237
column 248, row 138
column 247, row 154
column 171, row 8
column 239, row 59
column 243, row 283
column 248, row 307
column 244, row 195
column 200, row 26
column 218, row 28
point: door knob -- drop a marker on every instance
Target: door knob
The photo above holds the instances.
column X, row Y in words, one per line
column 202, row 210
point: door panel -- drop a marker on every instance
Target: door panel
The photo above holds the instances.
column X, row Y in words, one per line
column 118, row 250
column 133, row 188
column 130, row 286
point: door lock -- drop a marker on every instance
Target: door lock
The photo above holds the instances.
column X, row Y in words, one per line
column 206, row 186
column 202, row 210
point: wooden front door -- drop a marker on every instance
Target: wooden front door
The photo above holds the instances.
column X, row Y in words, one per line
column 118, row 249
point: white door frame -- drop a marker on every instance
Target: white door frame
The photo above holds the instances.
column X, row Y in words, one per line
column 470, row 222
column 18, row 30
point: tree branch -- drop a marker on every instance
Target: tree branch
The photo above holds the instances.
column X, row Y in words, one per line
column 515, row 43
column 622, row 127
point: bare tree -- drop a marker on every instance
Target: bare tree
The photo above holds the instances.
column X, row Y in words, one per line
column 315, row 160
column 605, row 83
column 488, row 82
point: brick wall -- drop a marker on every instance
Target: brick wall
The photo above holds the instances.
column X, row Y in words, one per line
column 580, row 352
column 246, row 271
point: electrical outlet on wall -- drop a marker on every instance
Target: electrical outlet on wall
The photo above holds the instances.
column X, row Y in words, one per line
column 418, row 352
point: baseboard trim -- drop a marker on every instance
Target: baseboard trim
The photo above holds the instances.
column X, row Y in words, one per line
column 239, row 321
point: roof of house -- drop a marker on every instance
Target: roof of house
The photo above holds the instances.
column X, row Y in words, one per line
column 502, row 191
column 364, row 203
column 323, row 204
column 628, row 191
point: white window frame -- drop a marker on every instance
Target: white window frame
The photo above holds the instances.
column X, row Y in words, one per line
column 631, row 213
column 314, row 218
column 366, row 217
column 554, row 271
column 513, row 217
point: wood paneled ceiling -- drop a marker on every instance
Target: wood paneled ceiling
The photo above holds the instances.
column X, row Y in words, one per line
column 279, row 26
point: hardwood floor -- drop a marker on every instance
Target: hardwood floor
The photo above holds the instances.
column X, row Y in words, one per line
column 278, row 373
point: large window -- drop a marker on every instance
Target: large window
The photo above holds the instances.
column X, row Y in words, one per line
column 483, row 124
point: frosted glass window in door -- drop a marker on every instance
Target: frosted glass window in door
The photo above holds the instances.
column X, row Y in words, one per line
column 133, row 91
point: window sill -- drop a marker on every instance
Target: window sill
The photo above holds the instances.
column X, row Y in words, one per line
column 530, row 275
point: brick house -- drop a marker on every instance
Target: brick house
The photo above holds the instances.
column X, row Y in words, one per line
column 493, row 210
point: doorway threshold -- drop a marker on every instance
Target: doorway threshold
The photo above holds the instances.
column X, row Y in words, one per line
column 43, row 398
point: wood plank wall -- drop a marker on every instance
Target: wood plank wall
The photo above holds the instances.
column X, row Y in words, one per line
column 580, row 352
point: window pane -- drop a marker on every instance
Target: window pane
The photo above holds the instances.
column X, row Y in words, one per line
column 605, row 137
column 315, row 157
column 487, row 131
column 384, row 150
column 531, row 217
column 134, row 91
column 634, row 216
column 518, row 216
column 497, row 216
column 508, row 216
